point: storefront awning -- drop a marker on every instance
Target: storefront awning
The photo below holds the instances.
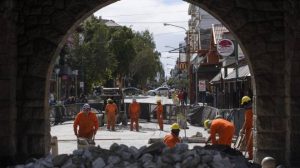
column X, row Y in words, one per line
column 243, row 71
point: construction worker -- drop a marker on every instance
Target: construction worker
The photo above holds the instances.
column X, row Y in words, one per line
column 159, row 114
column 134, row 110
column 173, row 138
column 87, row 123
column 111, row 110
column 248, row 125
column 224, row 129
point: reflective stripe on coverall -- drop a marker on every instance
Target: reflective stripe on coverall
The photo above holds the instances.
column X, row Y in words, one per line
column 88, row 125
column 224, row 129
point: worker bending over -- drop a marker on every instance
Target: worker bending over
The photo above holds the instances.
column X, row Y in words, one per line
column 223, row 128
column 173, row 138
column 87, row 123
column 134, row 112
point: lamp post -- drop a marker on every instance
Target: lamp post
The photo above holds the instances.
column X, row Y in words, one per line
column 187, row 49
column 75, row 73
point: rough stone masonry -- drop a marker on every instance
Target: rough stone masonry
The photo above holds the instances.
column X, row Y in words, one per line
column 156, row 155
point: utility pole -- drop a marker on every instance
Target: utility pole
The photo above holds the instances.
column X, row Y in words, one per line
column 236, row 53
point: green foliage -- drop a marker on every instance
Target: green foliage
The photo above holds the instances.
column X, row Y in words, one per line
column 102, row 53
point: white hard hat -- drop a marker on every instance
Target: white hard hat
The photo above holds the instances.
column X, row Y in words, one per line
column 86, row 106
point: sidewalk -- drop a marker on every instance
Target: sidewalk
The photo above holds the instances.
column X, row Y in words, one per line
column 67, row 141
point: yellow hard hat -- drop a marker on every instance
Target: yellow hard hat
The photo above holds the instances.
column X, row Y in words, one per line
column 207, row 123
column 245, row 99
column 175, row 126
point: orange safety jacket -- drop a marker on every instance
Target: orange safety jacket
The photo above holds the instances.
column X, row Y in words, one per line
column 111, row 109
column 159, row 111
column 171, row 140
column 134, row 110
column 224, row 129
column 88, row 124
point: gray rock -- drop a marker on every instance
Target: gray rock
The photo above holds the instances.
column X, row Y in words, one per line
column 114, row 147
column 177, row 157
column 181, row 147
column 78, row 152
column 125, row 155
column 167, row 158
column 187, row 162
column 149, row 164
column 68, row 164
column 87, row 154
column 59, row 160
column 146, row 157
column 98, row 163
column 207, row 158
column 133, row 165
column 113, row 160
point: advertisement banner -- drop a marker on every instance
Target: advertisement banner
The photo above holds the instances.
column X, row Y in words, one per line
column 202, row 86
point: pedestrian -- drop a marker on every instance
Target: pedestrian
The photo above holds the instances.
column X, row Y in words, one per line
column 111, row 111
column 185, row 96
column 134, row 110
column 180, row 97
column 248, row 125
column 173, row 138
column 224, row 129
column 87, row 123
column 159, row 114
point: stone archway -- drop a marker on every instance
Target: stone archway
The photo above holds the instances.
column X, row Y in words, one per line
column 34, row 31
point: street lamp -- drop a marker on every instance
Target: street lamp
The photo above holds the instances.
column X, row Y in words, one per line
column 187, row 49
column 75, row 73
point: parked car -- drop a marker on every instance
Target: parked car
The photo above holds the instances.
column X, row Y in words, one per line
column 132, row 91
column 159, row 91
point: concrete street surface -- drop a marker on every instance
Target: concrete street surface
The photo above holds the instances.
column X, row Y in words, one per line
column 67, row 141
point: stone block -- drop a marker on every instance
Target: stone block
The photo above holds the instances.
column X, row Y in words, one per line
column 7, row 92
column 271, row 140
column 8, row 145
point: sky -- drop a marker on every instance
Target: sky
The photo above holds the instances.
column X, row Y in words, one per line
column 151, row 15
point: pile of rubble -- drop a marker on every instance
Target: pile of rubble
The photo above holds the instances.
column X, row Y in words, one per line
column 155, row 156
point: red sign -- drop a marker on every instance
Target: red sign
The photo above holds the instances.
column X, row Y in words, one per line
column 225, row 47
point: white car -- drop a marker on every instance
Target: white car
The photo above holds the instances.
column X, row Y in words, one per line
column 159, row 91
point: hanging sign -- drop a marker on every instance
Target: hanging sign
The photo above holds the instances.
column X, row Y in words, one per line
column 225, row 47
column 202, row 86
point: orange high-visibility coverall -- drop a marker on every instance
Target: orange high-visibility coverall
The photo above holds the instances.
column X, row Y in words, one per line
column 88, row 125
column 171, row 140
column 159, row 115
column 224, row 129
column 134, row 112
column 111, row 111
column 248, row 129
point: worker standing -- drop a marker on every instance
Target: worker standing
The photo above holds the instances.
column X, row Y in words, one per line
column 87, row 123
column 134, row 110
column 111, row 110
column 159, row 114
column 173, row 138
column 248, row 125
column 225, row 129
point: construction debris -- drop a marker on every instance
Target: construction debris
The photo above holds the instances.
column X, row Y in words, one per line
column 155, row 156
